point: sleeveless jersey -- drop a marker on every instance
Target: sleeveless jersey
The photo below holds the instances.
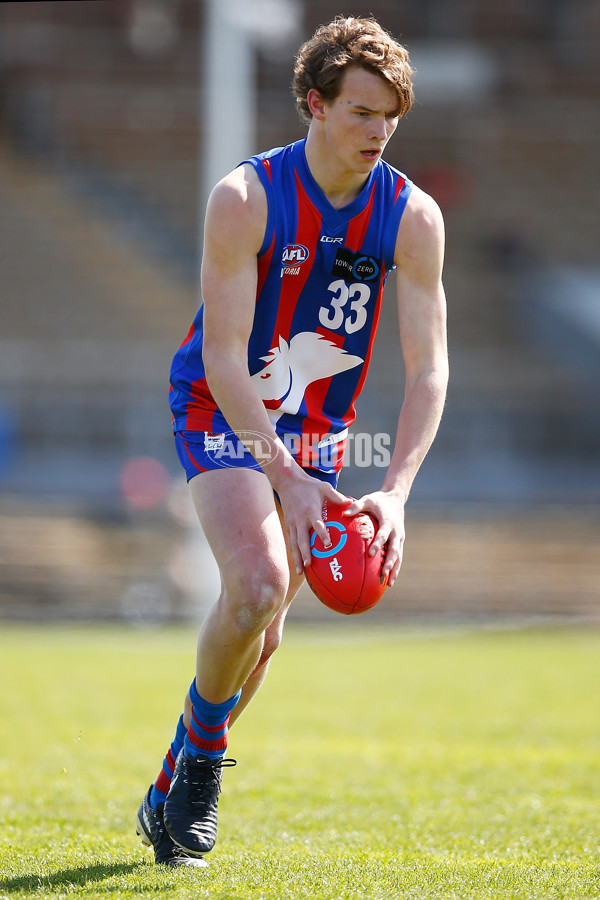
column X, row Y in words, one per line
column 321, row 274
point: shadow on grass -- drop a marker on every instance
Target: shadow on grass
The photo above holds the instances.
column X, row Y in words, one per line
column 80, row 875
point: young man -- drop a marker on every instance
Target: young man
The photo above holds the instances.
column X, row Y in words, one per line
column 298, row 244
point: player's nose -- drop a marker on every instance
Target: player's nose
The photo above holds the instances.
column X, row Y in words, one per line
column 379, row 128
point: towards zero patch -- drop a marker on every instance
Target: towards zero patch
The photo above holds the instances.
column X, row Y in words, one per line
column 355, row 266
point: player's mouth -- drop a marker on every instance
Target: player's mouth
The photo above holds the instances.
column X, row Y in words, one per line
column 370, row 155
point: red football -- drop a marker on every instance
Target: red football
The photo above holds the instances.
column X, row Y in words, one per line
column 344, row 577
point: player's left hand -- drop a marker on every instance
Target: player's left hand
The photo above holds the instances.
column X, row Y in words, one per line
column 388, row 510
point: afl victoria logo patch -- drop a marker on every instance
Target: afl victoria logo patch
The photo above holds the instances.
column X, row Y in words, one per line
column 294, row 255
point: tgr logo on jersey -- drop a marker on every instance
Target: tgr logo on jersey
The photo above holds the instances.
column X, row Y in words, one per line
column 326, row 239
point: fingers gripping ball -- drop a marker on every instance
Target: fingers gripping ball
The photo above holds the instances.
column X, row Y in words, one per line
column 344, row 577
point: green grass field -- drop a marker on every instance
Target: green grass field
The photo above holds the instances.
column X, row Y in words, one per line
column 373, row 764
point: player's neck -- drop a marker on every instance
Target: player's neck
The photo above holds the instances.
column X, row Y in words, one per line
column 339, row 184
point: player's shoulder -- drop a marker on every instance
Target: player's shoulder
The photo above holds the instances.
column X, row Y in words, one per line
column 237, row 209
column 421, row 228
column 240, row 192
column 422, row 211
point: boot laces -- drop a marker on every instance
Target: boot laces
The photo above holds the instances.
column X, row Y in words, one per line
column 204, row 778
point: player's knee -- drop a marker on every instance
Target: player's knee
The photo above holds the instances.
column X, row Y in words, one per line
column 257, row 597
column 263, row 601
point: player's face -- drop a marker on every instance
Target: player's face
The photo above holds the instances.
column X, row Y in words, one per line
column 361, row 119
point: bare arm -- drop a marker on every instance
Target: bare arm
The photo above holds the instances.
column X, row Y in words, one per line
column 234, row 229
column 422, row 322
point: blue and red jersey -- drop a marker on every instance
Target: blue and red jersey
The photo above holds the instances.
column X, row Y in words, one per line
column 321, row 274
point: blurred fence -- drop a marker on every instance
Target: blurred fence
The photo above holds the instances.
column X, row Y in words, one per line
column 473, row 564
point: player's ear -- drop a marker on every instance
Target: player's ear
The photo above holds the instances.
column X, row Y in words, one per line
column 316, row 104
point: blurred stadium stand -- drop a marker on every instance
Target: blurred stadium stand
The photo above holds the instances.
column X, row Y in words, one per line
column 101, row 134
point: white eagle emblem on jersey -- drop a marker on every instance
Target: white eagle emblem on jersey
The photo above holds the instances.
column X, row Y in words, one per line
column 290, row 368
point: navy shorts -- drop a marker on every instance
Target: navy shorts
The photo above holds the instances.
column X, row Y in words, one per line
column 201, row 451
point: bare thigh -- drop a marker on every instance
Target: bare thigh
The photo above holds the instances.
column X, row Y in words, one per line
column 237, row 511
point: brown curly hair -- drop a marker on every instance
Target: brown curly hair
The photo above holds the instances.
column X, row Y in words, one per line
column 322, row 61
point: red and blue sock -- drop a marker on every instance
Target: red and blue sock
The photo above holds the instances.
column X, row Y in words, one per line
column 161, row 786
column 208, row 732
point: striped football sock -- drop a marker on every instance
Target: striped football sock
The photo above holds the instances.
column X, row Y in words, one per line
column 208, row 732
column 161, row 786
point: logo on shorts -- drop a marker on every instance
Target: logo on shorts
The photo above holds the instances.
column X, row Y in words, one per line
column 242, row 450
column 213, row 442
